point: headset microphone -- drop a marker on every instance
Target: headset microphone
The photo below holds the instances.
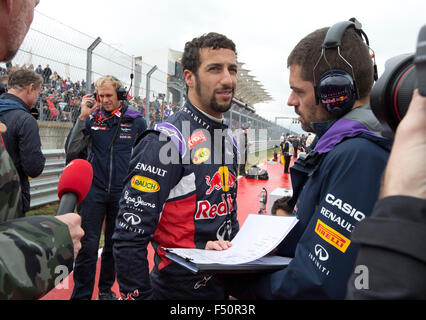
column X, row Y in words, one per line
column 131, row 83
column 74, row 185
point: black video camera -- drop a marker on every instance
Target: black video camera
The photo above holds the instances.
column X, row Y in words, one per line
column 391, row 95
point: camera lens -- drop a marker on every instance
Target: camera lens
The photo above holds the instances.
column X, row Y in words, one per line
column 392, row 93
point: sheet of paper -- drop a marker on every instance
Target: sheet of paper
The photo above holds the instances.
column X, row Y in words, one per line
column 258, row 236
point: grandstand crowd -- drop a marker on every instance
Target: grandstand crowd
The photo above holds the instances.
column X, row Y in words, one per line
column 60, row 97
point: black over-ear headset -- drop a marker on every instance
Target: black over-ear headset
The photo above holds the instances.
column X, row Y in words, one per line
column 336, row 89
column 121, row 92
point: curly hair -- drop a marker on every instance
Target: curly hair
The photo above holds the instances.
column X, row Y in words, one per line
column 191, row 55
column 353, row 49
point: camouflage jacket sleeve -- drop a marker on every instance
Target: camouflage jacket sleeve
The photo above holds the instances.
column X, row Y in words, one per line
column 10, row 188
column 34, row 252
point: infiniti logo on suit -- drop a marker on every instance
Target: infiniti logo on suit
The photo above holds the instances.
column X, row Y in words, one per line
column 132, row 218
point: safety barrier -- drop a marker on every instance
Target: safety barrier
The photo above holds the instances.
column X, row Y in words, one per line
column 43, row 189
column 263, row 145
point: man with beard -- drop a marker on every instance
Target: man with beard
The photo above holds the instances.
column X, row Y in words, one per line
column 336, row 185
column 181, row 187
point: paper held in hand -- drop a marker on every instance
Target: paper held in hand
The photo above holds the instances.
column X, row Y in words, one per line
column 258, row 236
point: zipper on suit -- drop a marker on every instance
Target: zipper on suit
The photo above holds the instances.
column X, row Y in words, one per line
column 111, row 152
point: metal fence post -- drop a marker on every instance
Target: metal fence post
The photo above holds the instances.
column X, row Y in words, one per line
column 89, row 64
column 148, row 89
column 138, row 75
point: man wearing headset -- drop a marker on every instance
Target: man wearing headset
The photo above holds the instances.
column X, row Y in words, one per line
column 107, row 129
column 337, row 184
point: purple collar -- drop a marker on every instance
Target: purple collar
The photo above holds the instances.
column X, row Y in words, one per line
column 341, row 129
column 132, row 114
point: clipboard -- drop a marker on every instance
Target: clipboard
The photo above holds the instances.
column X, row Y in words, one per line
column 250, row 251
column 264, row 264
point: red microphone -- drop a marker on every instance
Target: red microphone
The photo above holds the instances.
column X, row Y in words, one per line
column 74, row 185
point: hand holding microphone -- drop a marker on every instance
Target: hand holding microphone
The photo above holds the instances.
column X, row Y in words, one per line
column 88, row 105
column 73, row 186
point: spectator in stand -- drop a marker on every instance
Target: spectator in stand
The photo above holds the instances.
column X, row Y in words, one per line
column 47, row 72
column 39, row 70
column 54, row 79
column 52, row 111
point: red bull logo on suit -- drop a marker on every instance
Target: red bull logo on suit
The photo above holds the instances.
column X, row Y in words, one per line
column 206, row 210
column 215, row 182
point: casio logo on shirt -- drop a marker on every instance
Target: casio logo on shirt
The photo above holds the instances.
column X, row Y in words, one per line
column 345, row 207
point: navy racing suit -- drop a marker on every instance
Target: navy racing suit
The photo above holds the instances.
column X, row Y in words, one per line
column 174, row 197
column 335, row 192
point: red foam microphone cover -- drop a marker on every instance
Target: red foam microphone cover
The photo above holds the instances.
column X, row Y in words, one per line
column 77, row 178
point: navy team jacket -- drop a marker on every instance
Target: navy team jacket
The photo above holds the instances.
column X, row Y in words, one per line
column 173, row 197
column 110, row 161
column 336, row 193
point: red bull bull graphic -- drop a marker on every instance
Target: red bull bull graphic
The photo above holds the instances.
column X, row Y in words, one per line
column 216, row 181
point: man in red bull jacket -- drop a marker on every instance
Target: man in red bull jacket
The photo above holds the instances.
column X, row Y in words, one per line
column 181, row 187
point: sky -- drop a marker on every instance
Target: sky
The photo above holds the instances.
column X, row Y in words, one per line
column 264, row 31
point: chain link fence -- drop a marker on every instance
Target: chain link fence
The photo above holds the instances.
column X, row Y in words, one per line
column 58, row 53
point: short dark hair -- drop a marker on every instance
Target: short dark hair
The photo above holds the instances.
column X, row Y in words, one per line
column 307, row 52
column 21, row 78
column 191, row 55
column 281, row 203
